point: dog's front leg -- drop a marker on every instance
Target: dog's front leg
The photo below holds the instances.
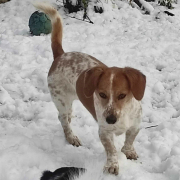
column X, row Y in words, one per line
column 128, row 148
column 107, row 140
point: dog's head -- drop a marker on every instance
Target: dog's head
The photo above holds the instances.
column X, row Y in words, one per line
column 114, row 88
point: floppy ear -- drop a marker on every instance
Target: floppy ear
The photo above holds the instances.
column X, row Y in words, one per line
column 91, row 79
column 137, row 82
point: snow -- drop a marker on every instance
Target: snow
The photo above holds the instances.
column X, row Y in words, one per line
column 31, row 137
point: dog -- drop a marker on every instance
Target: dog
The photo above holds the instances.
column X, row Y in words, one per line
column 64, row 173
column 111, row 94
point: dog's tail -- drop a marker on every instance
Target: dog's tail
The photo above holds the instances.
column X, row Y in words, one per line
column 63, row 173
column 47, row 175
column 57, row 28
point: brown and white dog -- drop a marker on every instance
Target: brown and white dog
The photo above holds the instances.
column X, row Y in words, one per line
column 111, row 94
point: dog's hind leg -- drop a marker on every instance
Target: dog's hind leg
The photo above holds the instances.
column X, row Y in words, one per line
column 70, row 137
column 63, row 98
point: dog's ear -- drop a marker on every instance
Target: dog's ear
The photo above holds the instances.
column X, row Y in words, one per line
column 137, row 82
column 91, row 79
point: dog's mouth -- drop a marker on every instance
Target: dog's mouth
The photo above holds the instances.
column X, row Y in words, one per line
column 111, row 119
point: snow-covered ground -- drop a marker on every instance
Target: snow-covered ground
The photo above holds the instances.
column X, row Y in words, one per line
column 31, row 137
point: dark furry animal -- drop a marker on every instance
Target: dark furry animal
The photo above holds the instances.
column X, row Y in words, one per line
column 64, row 173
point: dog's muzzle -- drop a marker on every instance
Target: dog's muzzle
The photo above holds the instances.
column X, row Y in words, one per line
column 111, row 119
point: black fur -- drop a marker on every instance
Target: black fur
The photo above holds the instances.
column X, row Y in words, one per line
column 64, row 173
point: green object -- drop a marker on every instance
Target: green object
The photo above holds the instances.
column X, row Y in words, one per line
column 167, row 3
column 39, row 23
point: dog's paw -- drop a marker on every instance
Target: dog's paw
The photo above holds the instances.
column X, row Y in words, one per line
column 130, row 154
column 74, row 140
column 112, row 168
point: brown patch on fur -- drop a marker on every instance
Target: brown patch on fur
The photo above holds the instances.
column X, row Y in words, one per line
column 52, row 86
column 57, row 92
column 91, row 79
column 62, row 102
column 137, row 82
column 85, row 87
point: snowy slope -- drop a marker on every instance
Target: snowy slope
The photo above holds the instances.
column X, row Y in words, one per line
column 31, row 137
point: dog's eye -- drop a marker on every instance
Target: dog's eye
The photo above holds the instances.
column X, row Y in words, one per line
column 121, row 96
column 102, row 95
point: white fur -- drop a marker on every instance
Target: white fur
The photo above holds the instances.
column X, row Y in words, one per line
column 47, row 9
column 111, row 90
column 62, row 84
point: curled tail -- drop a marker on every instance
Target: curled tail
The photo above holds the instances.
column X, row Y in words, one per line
column 57, row 28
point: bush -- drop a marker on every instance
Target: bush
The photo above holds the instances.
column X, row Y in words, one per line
column 167, row 3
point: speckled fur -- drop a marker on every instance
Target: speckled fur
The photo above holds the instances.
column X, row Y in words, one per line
column 62, row 86
column 76, row 75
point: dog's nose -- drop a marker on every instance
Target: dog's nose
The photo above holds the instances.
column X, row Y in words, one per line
column 111, row 119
